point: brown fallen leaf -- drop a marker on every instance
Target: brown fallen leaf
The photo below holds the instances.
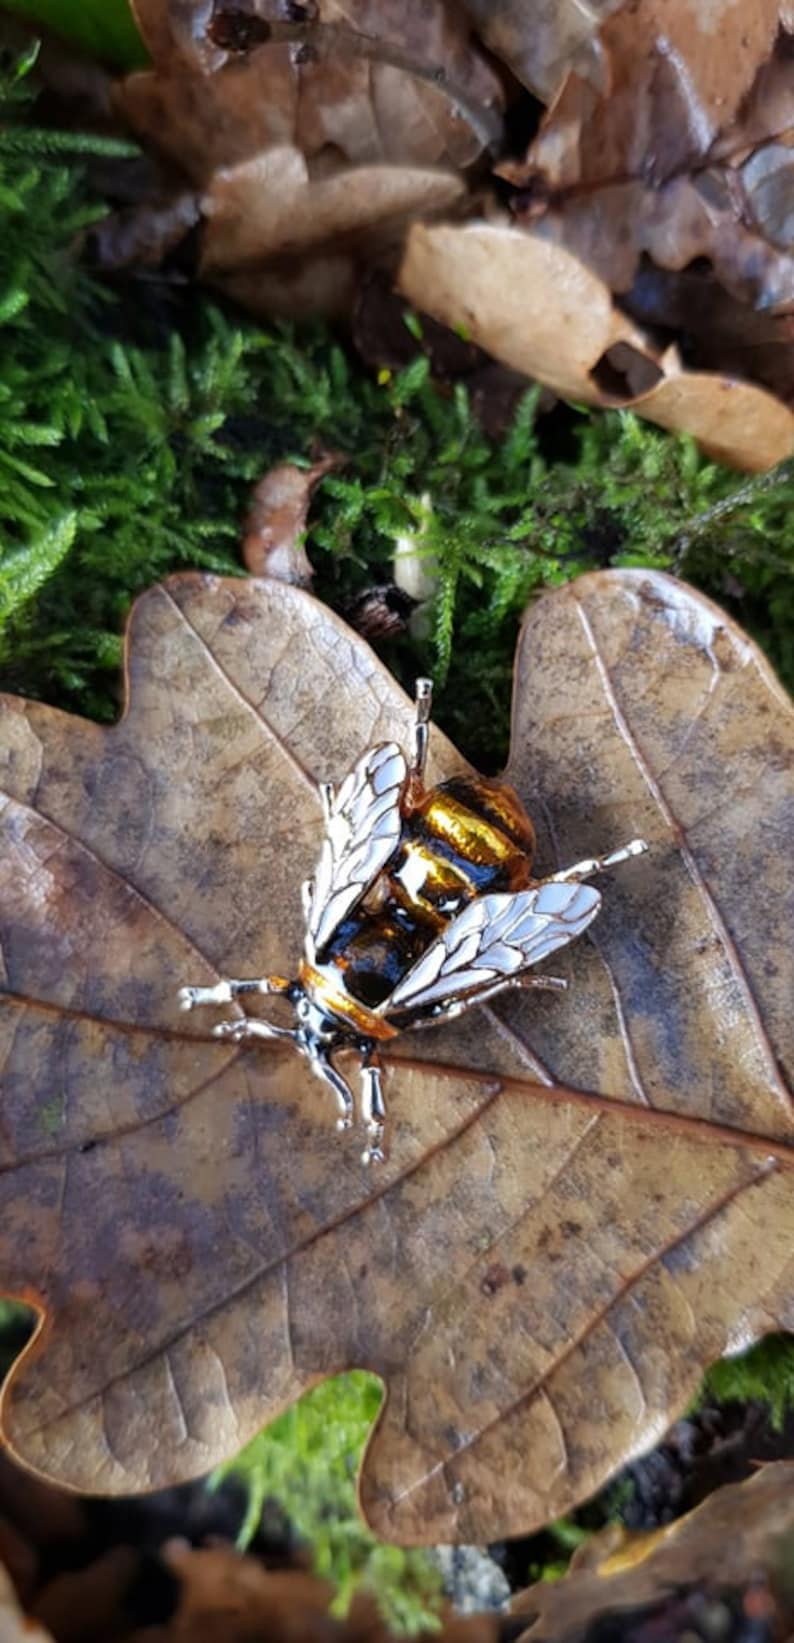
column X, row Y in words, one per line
column 316, row 141
column 555, row 321
column 227, row 1598
column 679, row 155
column 269, row 207
column 677, row 73
column 741, row 1540
column 544, row 40
column 585, row 1202
column 343, row 86
column 319, row 134
column 720, row 330
column 725, row 216
column 169, row 1558
column 273, row 529
column 16, row 1627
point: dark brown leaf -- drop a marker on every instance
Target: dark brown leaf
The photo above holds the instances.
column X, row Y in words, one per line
column 352, row 87
column 144, row 234
column 204, row 1245
column 736, row 1549
column 677, row 73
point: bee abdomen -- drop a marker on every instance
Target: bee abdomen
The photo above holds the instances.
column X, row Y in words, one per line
column 466, row 837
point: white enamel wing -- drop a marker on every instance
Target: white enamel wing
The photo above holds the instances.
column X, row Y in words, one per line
column 492, row 940
column 362, row 830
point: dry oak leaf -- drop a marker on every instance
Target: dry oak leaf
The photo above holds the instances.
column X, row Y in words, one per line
column 740, row 1535
column 584, row 1202
column 677, row 72
column 537, row 308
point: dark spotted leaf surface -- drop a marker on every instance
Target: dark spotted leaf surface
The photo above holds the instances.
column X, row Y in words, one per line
column 588, row 1196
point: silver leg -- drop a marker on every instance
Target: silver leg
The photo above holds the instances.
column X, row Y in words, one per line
column 597, row 864
column 248, row 1027
column 373, row 1109
column 225, row 991
column 424, row 703
column 322, row 1068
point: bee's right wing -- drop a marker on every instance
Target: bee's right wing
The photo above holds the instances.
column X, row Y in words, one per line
column 493, row 939
column 362, row 831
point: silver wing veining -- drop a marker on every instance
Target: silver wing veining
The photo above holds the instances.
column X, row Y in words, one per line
column 362, row 830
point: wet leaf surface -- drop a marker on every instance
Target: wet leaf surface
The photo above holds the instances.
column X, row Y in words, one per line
column 587, row 1198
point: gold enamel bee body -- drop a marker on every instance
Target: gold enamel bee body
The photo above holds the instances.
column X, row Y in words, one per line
column 422, row 905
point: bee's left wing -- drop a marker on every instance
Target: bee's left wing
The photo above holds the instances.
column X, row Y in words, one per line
column 362, row 830
column 493, row 939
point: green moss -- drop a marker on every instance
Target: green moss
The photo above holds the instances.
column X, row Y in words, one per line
column 124, row 460
column 308, row 1460
column 16, row 1325
column 764, row 1374
column 105, row 28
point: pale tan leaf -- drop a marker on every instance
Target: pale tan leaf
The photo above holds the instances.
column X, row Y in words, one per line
column 529, row 303
column 270, row 207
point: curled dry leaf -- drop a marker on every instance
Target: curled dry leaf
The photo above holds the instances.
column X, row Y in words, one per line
column 586, row 1200
column 554, row 319
column 741, row 1538
column 273, row 530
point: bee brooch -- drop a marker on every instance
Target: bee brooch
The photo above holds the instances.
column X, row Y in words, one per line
column 422, row 905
